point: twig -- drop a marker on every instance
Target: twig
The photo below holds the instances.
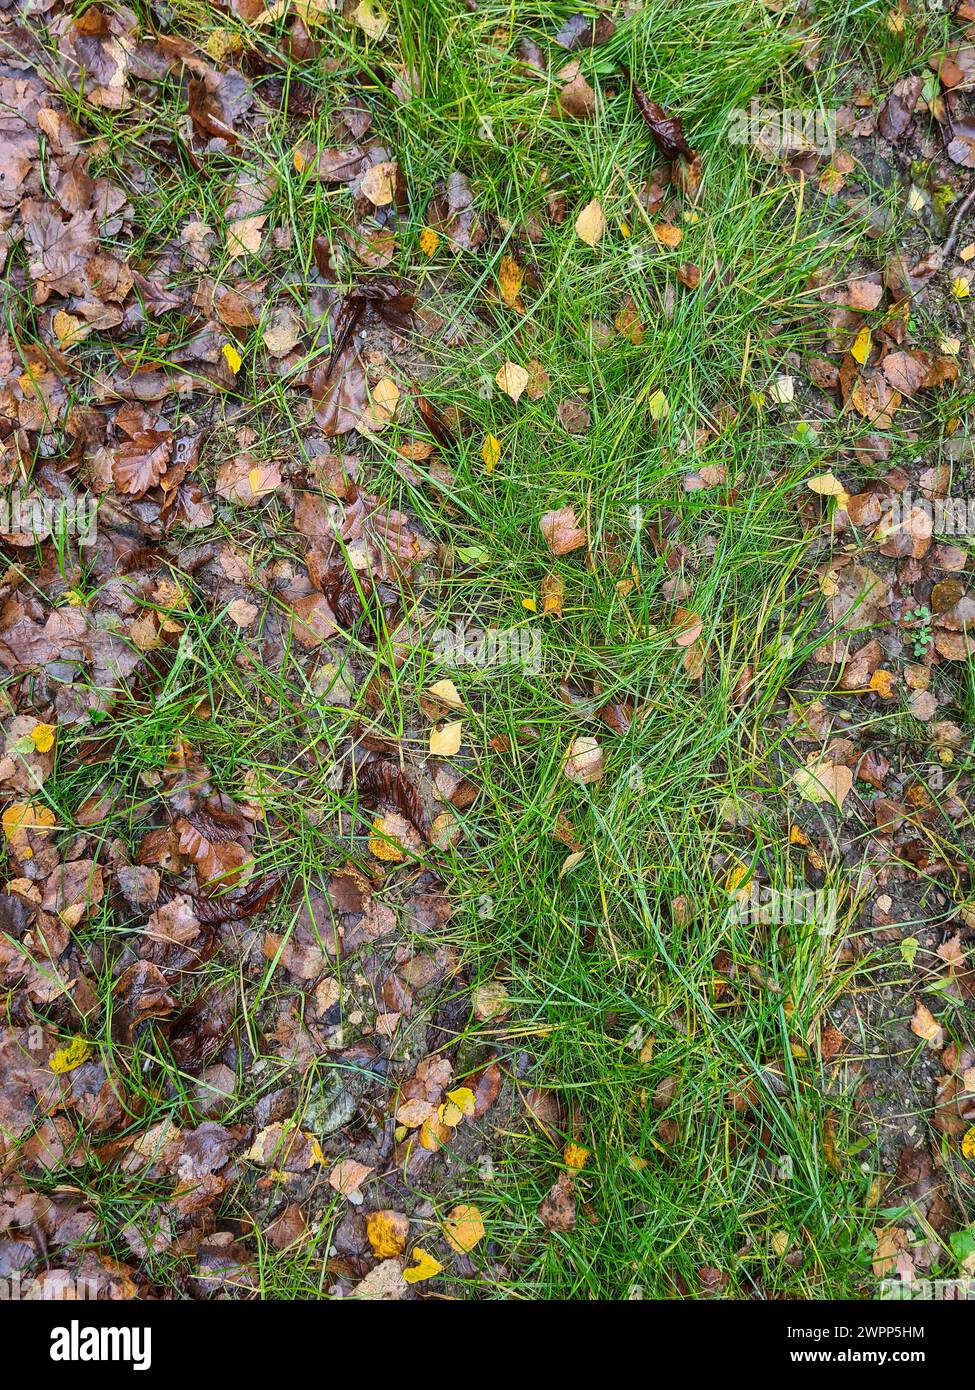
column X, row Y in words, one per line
column 954, row 227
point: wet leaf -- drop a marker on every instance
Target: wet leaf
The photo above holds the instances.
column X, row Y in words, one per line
column 424, row 1267
column 584, row 761
column 387, row 1232
column 77, row 1051
column 463, row 1228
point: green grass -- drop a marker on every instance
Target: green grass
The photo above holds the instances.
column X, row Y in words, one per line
column 614, row 990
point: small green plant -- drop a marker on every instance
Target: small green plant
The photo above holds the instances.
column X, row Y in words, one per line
column 922, row 634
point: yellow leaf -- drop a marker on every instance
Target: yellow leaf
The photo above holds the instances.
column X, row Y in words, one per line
column 234, row 359
column 553, row 594
column 66, row 327
column 575, row 1156
column 968, row 1143
column 512, row 380
column 860, row 350
column 43, row 737
column 826, row 485
column 429, row 241
column 445, row 739
column 387, row 1232
column 491, row 452
column 447, row 693
column 463, row 1229
column 530, row 604
column 67, row 1058
column 220, row 42
column 371, row 18
column 386, row 394
column 22, row 816
column 591, row 223
column 385, row 847
column 433, row 1134
column 459, row 1103
column 308, row 11
column 510, row 280
column 262, row 479
column 960, row 287
column 823, row 782
column 883, row 683
column 667, row 235
column 658, row 406
column 425, row 1267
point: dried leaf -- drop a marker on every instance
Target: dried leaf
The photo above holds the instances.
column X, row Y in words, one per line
column 591, row 223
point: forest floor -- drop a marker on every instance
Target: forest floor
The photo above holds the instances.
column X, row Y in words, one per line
column 487, row 706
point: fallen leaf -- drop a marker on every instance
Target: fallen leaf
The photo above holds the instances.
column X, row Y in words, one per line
column 42, row 737
column 591, row 223
column 823, row 782
column 348, row 1175
column 378, row 183
column 512, row 380
column 926, row 1026
column 561, row 531
column 510, row 280
column 73, row 1055
column 557, row 1211
column 371, row 18
column 387, row 1231
column 424, row 1267
column 445, row 739
column 584, row 761
column 463, row 1228
column 447, row 693
column 490, row 452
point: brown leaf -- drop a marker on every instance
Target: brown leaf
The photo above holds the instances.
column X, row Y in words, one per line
column 561, row 531
column 577, row 98
column 557, row 1211
column 667, row 132
column 140, row 462
column 139, row 994
column 896, row 114
column 926, row 1026
column 584, row 761
column 581, row 31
